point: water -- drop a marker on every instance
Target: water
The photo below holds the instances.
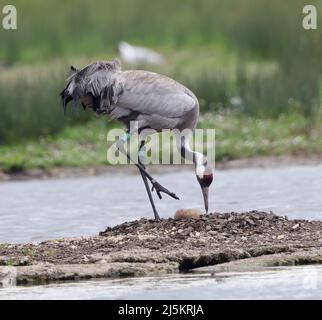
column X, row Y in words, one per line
column 277, row 283
column 38, row 210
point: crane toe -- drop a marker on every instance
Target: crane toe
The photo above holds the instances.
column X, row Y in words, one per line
column 159, row 188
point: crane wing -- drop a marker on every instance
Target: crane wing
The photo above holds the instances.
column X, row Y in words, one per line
column 155, row 100
column 153, row 94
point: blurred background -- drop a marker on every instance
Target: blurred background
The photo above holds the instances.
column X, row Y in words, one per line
column 255, row 70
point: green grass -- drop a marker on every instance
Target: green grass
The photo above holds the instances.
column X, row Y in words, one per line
column 237, row 136
column 87, row 27
column 240, row 136
column 81, row 145
column 31, row 107
column 255, row 52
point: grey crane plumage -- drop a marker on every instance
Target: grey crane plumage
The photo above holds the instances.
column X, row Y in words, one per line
column 152, row 100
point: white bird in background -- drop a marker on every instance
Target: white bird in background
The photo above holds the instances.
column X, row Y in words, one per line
column 138, row 55
column 152, row 100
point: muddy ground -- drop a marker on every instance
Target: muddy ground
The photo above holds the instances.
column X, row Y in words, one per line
column 171, row 245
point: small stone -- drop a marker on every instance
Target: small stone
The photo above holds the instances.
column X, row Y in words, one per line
column 187, row 231
column 85, row 259
column 295, row 226
column 212, row 233
column 280, row 237
column 101, row 261
column 208, row 228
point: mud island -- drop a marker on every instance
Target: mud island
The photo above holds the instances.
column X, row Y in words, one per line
column 143, row 247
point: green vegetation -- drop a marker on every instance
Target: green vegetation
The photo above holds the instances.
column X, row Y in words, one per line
column 255, row 70
column 28, row 251
column 237, row 136
column 10, row 263
column 31, row 106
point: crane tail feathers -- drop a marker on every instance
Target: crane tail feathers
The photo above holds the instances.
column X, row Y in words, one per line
column 94, row 84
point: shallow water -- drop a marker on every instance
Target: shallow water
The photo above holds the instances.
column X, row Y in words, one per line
column 39, row 210
column 277, row 283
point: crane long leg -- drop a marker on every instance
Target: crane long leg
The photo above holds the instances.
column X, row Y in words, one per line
column 155, row 185
column 145, row 180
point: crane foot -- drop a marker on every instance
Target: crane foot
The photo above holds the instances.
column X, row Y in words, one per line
column 158, row 188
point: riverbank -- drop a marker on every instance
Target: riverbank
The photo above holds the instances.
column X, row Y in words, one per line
column 239, row 139
column 144, row 247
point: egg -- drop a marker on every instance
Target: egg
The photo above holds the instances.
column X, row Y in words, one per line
column 187, row 213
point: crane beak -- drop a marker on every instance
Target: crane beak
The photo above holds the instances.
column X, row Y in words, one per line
column 205, row 192
column 205, row 181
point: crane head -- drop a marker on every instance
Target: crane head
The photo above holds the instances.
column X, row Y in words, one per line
column 88, row 84
column 204, row 174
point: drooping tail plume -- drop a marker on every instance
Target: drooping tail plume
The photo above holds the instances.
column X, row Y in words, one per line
column 94, row 86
